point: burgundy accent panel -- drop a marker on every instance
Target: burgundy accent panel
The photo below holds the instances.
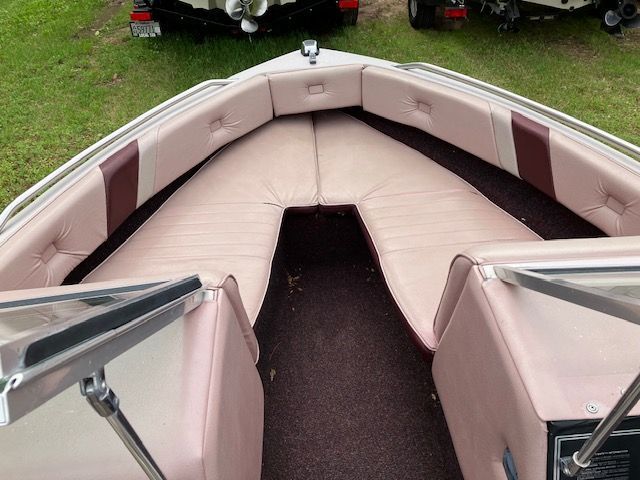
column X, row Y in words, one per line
column 120, row 172
column 532, row 150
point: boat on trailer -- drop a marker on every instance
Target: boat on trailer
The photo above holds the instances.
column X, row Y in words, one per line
column 204, row 269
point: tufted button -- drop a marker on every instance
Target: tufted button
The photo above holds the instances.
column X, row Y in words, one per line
column 313, row 89
column 423, row 107
column 217, row 125
column 615, row 205
column 48, row 253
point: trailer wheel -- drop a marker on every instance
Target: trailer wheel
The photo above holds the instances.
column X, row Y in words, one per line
column 421, row 15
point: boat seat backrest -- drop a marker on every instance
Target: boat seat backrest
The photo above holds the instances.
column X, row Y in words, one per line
column 317, row 89
column 46, row 248
column 602, row 191
column 589, row 183
column 452, row 116
column 193, row 135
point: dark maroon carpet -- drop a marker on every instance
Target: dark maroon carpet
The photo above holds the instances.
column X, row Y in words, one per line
column 347, row 395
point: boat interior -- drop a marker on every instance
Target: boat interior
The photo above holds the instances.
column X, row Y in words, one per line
column 344, row 221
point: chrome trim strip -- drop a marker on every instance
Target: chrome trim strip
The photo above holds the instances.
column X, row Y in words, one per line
column 626, row 308
column 77, row 161
column 488, row 270
column 572, row 122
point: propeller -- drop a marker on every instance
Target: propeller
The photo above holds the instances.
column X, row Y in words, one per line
column 245, row 10
column 626, row 14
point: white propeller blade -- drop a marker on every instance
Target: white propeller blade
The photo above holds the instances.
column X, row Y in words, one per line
column 258, row 7
column 234, row 8
column 248, row 24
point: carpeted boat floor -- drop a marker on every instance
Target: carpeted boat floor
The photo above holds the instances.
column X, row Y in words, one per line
column 347, row 395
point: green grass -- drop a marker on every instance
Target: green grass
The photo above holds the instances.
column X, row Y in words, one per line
column 63, row 87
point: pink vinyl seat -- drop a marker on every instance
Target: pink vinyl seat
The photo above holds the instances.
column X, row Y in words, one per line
column 227, row 217
column 278, row 142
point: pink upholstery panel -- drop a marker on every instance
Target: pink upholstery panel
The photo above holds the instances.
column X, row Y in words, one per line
column 235, row 409
column 603, row 192
column 417, row 237
column 189, row 234
column 458, row 273
column 484, row 400
column 455, row 117
column 51, row 244
column 567, row 355
column 190, row 137
column 356, row 162
column 316, row 89
column 276, row 164
column 524, row 252
column 191, row 391
column 525, row 358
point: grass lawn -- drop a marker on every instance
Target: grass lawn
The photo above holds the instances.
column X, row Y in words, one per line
column 70, row 73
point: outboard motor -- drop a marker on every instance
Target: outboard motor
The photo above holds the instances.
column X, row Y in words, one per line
column 624, row 14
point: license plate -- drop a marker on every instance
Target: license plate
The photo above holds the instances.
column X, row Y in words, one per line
column 145, row 29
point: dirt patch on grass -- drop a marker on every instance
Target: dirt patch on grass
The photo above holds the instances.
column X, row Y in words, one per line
column 381, row 9
column 106, row 14
column 576, row 48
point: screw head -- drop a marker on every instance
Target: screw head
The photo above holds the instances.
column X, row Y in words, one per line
column 592, row 407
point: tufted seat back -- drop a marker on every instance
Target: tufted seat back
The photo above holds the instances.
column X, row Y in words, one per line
column 457, row 118
column 318, row 89
column 193, row 135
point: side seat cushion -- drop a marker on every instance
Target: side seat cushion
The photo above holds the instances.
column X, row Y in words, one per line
column 191, row 234
column 417, row 236
column 453, row 116
column 226, row 219
column 356, row 162
column 276, row 163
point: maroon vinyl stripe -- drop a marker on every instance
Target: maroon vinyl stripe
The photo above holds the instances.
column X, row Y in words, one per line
column 120, row 172
column 532, row 151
